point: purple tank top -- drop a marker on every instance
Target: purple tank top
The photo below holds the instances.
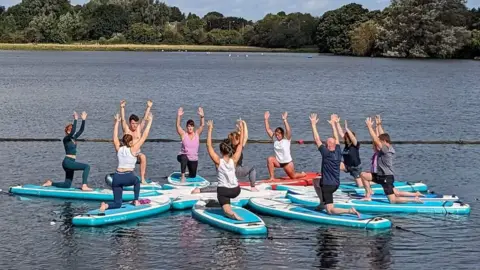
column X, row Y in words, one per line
column 373, row 168
column 190, row 147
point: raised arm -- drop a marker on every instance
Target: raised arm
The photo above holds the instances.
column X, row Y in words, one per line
column 116, row 142
column 122, row 114
column 144, row 137
column 288, row 131
column 314, row 121
column 82, row 127
column 202, row 121
column 74, row 125
column 340, row 129
column 179, row 120
column 350, row 134
column 267, row 125
column 333, row 122
column 374, row 136
column 245, row 131
column 210, row 150
column 147, row 112
column 379, row 128
column 238, row 151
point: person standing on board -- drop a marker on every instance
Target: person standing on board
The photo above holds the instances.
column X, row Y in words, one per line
column 188, row 156
column 281, row 145
column 135, row 128
column 69, row 164
column 384, row 172
column 331, row 159
column 242, row 171
column 127, row 155
column 228, row 187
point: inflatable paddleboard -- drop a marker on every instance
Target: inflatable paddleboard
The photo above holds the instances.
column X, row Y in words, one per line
column 377, row 189
column 198, row 181
column 149, row 186
column 427, row 197
column 250, row 225
column 427, row 207
column 157, row 205
column 285, row 209
column 305, row 181
column 97, row 194
column 188, row 201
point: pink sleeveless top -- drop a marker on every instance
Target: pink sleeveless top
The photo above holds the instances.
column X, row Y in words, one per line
column 190, row 147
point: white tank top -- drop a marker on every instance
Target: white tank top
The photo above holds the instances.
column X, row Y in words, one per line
column 282, row 151
column 125, row 158
column 226, row 174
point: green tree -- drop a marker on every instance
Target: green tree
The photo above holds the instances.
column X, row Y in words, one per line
column 423, row 28
column 105, row 20
column 224, row 37
column 176, row 15
column 363, row 38
column 143, row 33
column 334, row 28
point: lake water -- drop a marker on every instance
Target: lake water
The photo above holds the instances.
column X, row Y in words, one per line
column 419, row 100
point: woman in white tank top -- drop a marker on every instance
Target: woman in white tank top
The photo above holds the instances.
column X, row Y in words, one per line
column 283, row 158
column 228, row 187
column 127, row 159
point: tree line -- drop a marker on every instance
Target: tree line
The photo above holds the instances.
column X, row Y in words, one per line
column 406, row 28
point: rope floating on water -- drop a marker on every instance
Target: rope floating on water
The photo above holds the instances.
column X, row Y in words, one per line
column 473, row 142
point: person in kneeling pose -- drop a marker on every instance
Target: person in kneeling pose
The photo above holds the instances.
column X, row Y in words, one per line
column 228, row 187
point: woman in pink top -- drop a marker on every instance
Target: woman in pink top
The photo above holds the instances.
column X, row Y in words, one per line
column 188, row 156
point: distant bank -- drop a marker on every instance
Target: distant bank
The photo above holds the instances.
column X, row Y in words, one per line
column 141, row 47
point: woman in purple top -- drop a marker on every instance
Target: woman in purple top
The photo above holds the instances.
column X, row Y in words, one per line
column 188, row 156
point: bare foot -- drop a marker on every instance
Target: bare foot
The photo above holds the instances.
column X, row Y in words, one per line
column 419, row 194
column 368, row 197
column 271, row 179
column 136, row 203
column 417, row 200
column 233, row 216
column 103, row 207
column 195, row 191
column 182, row 179
column 254, row 189
column 144, row 182
column 86, row 188
column 48, row 183
column 355, row 212
column 304, row 174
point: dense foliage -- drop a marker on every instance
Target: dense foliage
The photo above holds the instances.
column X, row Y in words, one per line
column 406, row 28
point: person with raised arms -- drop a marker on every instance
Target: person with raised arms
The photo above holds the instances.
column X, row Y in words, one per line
column 135, row 128
column 331, row 159
column 383, row 173
column 228, row 187
column 127, row 155
column 242, row 171
column 351, row 153
column 69, row 164
column 188, row 156
column 281, row 145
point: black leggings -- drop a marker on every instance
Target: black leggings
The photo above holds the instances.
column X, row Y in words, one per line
column 192, row 165
column 120, row 180
column 225, row 194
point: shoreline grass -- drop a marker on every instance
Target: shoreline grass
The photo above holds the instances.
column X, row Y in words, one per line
column 144, row 48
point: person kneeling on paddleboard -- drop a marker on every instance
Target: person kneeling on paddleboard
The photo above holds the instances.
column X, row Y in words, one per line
column 127, row 155
column 69, row 164
column 242, row 171
column 228, row 187
column 282, row 158
column 188, row 156
column 135, row 128
column 351, row 153
column 330, row 180
column 384, row 171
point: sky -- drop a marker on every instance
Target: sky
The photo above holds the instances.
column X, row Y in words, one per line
column 257, row 9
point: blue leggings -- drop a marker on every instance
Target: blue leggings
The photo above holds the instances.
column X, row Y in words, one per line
column 120, row 180
column 70, row 166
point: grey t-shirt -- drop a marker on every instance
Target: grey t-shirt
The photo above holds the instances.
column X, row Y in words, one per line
column 385, row 160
